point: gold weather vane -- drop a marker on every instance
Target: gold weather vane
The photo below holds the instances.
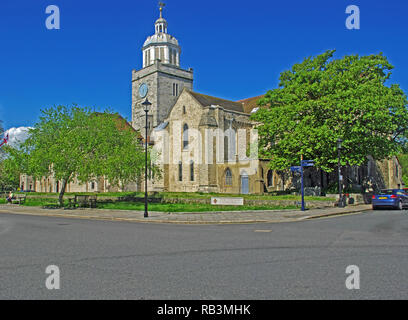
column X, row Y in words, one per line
column 161, row 6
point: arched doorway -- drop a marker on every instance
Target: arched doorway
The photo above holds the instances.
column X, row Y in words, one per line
column 244, row 183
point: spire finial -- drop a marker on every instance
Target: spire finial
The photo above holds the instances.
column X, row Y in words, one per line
column 161, row 6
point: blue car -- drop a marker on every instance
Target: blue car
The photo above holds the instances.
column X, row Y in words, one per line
column 395, row 198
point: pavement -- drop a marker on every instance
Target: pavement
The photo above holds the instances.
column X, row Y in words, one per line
column 216, row 217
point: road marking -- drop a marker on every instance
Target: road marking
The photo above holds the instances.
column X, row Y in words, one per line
column 262, row 230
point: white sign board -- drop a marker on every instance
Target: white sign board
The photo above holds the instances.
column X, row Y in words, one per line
column 234, row 201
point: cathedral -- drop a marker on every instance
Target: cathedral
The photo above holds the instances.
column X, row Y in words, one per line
column 201, row 142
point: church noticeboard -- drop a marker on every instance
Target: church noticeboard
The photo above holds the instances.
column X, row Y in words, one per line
column 235, row 201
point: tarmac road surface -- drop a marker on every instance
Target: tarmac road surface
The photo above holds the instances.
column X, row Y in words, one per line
column 121, row 260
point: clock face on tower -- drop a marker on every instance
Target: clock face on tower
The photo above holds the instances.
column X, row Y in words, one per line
column 143, row 88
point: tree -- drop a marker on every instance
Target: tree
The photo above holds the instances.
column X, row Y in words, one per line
column 9, row 174
column 1, row 136
column 323, row 99
column 76, row 143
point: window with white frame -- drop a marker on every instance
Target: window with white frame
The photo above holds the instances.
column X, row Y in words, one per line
column 185, row 136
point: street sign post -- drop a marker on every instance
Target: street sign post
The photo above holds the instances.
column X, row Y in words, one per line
column 304, row 163
column 302, row 189
column 307, row 163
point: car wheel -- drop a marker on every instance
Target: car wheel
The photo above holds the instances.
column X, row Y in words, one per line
column 374, row 208
column 400, row 205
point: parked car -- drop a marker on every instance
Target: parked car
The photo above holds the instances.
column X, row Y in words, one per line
column 395, row 198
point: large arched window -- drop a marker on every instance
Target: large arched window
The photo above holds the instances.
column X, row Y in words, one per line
column 185, row 136
column 228, row 177
column 229, row 144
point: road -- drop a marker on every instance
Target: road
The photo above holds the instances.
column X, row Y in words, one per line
column 118, row 260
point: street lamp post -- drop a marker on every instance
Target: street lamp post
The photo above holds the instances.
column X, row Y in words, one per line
column 146, row 105
column 341, row 204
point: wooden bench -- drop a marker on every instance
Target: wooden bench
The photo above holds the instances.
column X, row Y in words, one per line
column 81, row 201
column 19, row 198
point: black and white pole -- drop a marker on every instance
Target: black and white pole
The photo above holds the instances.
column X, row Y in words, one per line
column 146, row 105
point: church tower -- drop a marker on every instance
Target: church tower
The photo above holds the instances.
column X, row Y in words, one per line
column 161, row 79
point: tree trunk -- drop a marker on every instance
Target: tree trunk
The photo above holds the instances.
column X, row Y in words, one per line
column 283, row 178
column 62, row 192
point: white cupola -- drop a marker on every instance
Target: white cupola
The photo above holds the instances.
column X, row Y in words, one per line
column 161, row 46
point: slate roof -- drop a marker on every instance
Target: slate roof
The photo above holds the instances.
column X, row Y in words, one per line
column 207, row 101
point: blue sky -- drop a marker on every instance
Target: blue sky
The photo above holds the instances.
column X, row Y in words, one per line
column 236, row 48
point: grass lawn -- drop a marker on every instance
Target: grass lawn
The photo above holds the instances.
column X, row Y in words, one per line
column 185, row 207
column 164, row 207
column 37, row 202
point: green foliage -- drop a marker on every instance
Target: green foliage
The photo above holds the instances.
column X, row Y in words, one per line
column 76, row 143
column 9, row 174
column 323, row 99
column 403, row 160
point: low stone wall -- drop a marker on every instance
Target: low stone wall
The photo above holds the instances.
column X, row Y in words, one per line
column 249, row 202
column 186, row 200
column 354, row 198
column 257, row 202
column 309, row 204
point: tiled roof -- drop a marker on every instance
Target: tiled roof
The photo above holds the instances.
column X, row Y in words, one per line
column 250, row 103
column 121, row 122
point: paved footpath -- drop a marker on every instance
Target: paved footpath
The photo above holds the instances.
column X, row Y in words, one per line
column 218, row 217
